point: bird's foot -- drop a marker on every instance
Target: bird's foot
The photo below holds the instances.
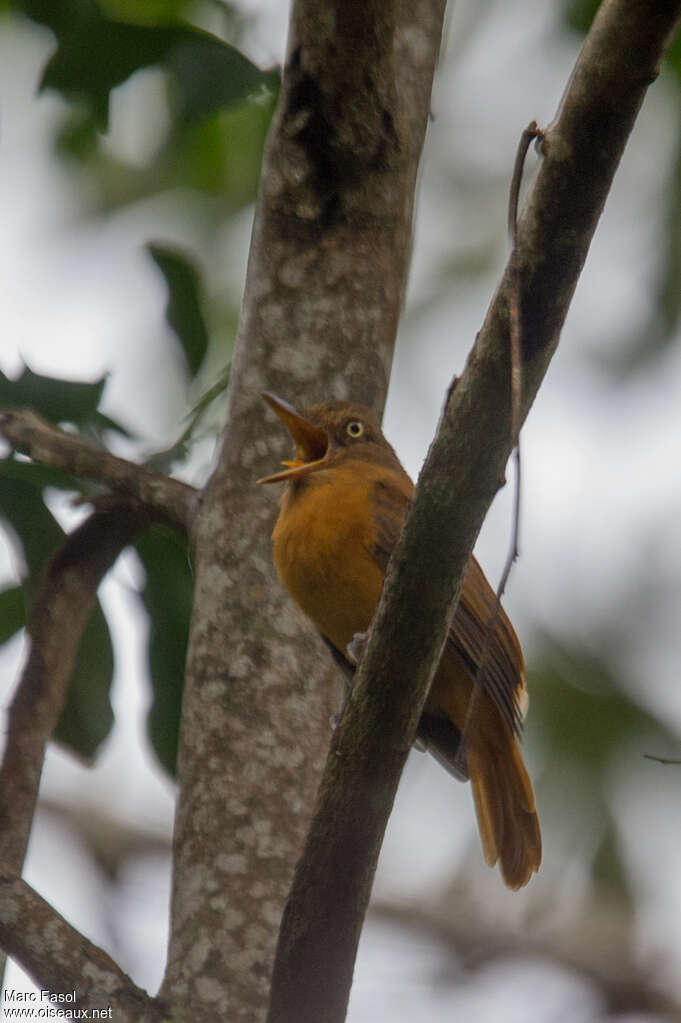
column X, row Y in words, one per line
column 355, row 647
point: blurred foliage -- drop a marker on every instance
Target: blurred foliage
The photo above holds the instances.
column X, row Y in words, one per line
column 184, row 313
column 163, row 461
column 87, row 717
column 582, row 720
column 12, row 612
column 218, row 105
column 62, row 402
column 589, row 716
column 167, row 598
column 652, row 337
column 95, row 53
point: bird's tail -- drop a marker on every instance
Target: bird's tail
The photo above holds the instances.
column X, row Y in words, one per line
column 504, row 803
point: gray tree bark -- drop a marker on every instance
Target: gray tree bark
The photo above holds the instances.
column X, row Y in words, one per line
column 326, row 276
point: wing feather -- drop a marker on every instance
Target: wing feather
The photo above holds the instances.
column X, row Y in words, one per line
column 504, row 676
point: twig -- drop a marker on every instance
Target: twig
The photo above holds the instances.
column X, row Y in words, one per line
column 663, row 760
column 516, row 376
column 62, row 960
column 28, row 433
column 529, row 134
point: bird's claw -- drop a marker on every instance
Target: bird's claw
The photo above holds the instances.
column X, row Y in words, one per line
column 355, row 647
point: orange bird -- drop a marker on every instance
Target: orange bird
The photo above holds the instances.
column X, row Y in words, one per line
column 340, row 518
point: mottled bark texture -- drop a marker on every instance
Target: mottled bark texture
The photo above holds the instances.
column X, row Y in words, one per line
column 64, row 961
column 463, row 471
column 326, row 275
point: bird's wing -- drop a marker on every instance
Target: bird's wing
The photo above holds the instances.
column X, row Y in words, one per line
column 478, row 632
column 503, row 678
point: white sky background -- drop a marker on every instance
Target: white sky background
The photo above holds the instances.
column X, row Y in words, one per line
column 601, row 482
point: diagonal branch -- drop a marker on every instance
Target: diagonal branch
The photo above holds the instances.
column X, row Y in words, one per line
column 169, row 499
column 463, row 471
column 61, row 610
column 63, row 605
column 64, row 961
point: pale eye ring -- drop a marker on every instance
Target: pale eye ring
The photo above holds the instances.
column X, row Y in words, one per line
column 354, row 429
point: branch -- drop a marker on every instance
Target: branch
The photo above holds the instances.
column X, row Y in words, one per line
column 663, row 760
column 61, row 610
column 328, row 900
column 325, row 281
column 175, row 502
column 63, row 961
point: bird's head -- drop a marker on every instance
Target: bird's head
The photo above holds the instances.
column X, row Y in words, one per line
column 326, row 434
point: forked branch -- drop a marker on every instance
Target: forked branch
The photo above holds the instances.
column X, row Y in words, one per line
column 167, row 498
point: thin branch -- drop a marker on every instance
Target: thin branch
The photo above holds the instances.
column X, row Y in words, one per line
column 330, row 893
column 529, row 134
column 172, row 500
column 62, row 961
column 62, row 608
column 515, row 351
column 663, row 760
column 63, row 605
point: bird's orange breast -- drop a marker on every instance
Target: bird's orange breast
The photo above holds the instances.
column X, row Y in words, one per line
column 323, row 551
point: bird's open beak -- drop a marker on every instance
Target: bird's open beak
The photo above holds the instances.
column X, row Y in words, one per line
column 311, row 442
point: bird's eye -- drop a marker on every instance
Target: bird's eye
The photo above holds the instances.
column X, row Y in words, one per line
column 354, row 429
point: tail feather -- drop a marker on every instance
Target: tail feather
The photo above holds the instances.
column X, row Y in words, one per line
column 504, row 803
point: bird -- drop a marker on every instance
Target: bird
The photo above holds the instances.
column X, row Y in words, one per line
column 340, row 517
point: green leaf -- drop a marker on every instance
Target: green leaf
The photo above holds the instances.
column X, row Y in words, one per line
column 33, row 524
column 60, row 401
column 167, row 597
column 96, row 53
column 183, row 311
column 39, row 476
column 211, row 75
column 147, row 12
column 12, row 612
column 87, row 717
